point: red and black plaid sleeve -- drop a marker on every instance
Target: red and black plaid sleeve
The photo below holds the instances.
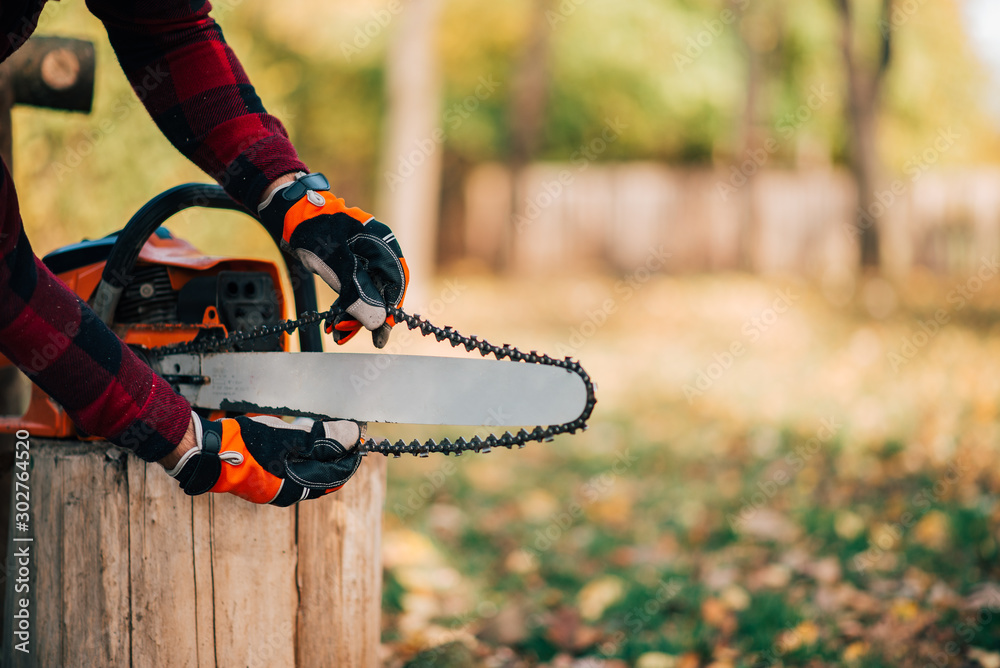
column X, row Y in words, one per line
column 61, row 344
column 175, row 57
column 177, row 61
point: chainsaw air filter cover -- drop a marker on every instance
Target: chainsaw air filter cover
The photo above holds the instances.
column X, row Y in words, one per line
column 244, row 299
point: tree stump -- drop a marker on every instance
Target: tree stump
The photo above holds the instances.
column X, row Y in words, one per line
column 126, row 570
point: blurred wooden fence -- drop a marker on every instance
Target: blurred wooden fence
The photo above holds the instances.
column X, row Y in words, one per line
column 557, row 218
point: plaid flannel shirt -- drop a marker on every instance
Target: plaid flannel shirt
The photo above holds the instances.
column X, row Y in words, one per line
column 180, row 66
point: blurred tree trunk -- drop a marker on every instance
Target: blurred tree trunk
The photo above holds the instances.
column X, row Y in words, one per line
column 748, row 243
column 864, row 84
column 528, row 102
column 529, row 93
column 411, row 184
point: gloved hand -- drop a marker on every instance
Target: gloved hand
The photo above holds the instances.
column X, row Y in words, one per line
column 266, row 460
column 355, row 254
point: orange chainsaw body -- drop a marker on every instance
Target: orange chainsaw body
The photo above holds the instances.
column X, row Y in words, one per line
column 176, row 293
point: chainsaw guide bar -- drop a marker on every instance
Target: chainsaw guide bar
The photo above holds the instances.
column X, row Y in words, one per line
column 218, row 344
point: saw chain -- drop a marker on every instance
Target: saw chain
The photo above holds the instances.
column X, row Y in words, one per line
column 470, row 343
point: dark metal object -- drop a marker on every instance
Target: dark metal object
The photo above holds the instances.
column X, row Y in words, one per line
column 415, row 447
column 184, row 379
column 53, row 72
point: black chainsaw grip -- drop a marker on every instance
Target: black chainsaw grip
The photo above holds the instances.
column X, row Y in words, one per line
column 125, row 252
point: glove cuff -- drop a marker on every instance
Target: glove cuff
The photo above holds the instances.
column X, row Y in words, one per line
column 270, row 196
column 273, row 209
column 200, row 467
column 284, row 208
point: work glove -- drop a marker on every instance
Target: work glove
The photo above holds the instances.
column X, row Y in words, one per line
column 266, row 460
column 355, row 254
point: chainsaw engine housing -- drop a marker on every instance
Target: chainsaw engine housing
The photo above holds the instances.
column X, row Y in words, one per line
column 174, row 294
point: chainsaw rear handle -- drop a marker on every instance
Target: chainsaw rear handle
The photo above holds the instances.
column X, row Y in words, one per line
column 125, row 252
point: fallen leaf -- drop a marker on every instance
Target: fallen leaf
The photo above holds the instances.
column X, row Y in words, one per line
column 855, row 651
column 614, row 508
column 715, row 613
column 803, row 635
column 848, row 525
column 768, row 524
column 772, row 576
column 933, row 531
column 508, row 626
column 586, row 636
column 826, row 571
column 403, row 547
column 597, row 595
column 735, row 597
column 942, row 596
column 656, row 660
column 916, row 582
column 688, row 660
column 985, row 657
column 885, row 536
column 537, row 505
column 445, row 519
column 858, row 600
column 563, row 626
column 808, row 632
column 904, row 609
column 725, row 654
column 851, row 627
column 719, row 577
column 986, row 595
column 425, row 578
column 521, row 562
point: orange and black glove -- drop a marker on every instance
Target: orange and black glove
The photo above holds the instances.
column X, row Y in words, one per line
column 265, row 460
column 355, row 254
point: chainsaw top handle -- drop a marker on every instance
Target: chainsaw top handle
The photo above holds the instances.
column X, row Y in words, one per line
column 125, row 252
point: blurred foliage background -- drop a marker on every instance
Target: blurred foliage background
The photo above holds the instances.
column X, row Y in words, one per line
column 560, row 555
column 604, row 59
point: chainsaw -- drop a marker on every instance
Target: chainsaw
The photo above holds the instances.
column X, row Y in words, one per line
column 212, row 327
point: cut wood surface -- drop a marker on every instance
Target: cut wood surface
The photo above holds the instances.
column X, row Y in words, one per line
column 128, row 571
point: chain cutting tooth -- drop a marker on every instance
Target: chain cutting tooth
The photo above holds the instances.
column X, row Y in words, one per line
column 397, row 448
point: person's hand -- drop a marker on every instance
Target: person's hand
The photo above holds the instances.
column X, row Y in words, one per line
column 266, row 460
column 355, row 254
